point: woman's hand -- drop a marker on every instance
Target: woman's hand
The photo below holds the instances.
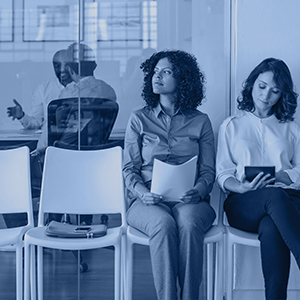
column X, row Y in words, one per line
column 258, row 182
column 243, row 186
column 191, row 196
column 283, row 177
column 151, row 198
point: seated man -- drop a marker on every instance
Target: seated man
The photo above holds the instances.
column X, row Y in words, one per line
column 81, row 65
column 81, row 68
column 43, row 94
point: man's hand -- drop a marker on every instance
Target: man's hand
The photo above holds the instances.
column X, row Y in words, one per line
column 16, row 112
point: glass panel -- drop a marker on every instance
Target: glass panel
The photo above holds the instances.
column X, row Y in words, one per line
column 34, row 36
column 116, row 36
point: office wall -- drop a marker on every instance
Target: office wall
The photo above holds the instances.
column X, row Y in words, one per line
column 261, row 29
column 211, row 44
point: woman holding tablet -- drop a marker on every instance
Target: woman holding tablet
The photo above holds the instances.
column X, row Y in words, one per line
column 171, row 129
column 264, row 134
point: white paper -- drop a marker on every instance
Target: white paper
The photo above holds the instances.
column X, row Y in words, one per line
column 172, row 181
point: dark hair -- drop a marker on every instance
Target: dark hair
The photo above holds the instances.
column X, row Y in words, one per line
column 84, row 55
column 86, row 67
column 190, row 80
column 286, row 106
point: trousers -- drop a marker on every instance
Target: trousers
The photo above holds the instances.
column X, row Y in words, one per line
column 273, row 213
column 176, row 233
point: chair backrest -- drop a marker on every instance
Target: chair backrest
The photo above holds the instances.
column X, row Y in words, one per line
column 15, row 188
column 109, row 144
column 97, row 117
column 82, row 182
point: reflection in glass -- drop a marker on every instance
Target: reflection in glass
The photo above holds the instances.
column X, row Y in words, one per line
column 96, row 122
column 34, row 73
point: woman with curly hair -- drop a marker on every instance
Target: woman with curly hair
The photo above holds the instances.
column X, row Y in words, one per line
column 170, row 128
column 264, row 134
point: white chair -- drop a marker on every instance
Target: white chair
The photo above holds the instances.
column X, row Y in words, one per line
column 214, row 235
column 15, row 197
column 78, row 182
column 234, row 236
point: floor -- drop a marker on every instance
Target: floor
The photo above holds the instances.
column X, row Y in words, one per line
column 63, row 281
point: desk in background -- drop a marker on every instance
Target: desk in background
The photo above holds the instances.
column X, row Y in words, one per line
column 10, row 138
column 117, row 135
column 15, row 137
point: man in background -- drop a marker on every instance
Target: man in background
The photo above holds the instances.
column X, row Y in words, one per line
column 81, row 63
column 43, row 94
column 37, row 119
column 81, row 68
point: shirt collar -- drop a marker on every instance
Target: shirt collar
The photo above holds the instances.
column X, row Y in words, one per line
column 158, row 109
column 84, row 79
column 270, row 118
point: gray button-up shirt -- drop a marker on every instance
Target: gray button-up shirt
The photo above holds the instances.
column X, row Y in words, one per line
column 153, row 134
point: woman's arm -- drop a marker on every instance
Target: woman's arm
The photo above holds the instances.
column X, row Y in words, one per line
column 206, row 170
column 283, row 177
column 292, row 175
column 132, row 163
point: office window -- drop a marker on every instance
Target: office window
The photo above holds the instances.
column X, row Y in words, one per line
column 122, row 29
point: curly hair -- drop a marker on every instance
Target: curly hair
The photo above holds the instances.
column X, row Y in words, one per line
column 286, row 106
column 190, row 80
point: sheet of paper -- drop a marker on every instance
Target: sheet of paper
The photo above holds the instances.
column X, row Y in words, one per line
column 172, row 181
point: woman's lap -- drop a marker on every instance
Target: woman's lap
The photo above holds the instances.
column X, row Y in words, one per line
column 151, row 217
column 244, row 211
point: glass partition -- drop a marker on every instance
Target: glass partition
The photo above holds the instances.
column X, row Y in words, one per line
column 70, row 77
column 84, row 57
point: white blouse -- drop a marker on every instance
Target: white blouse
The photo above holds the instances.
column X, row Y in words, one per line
column 246, row 140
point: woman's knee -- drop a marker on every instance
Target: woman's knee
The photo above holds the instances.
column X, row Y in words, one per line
column 268, row 231
column 166, row 226
column 199, row 220
column 275, row 196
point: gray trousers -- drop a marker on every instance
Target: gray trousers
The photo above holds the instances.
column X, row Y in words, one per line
column 176, row 232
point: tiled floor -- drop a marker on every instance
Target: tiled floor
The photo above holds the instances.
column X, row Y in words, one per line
column 63, row 281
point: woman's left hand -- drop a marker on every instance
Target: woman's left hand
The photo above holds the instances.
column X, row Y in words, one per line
column 191, row 196
column 282, row 176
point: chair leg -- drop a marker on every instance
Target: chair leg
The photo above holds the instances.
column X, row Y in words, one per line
column 27, row 272
column 209, row 248
column 40, row 279
column 32, row 272
column 123, row 256
column 117, row 272
column 229, row 277
column 19, row 271
column 129, row 270
column 219, row 272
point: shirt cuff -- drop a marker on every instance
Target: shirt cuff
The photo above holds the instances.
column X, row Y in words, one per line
column 221, row 179
column 140, row 189
column 202, row 187
column 25, row 121
column 294, row 176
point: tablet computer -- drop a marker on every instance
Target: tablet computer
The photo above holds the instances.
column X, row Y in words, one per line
column 252, row 171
